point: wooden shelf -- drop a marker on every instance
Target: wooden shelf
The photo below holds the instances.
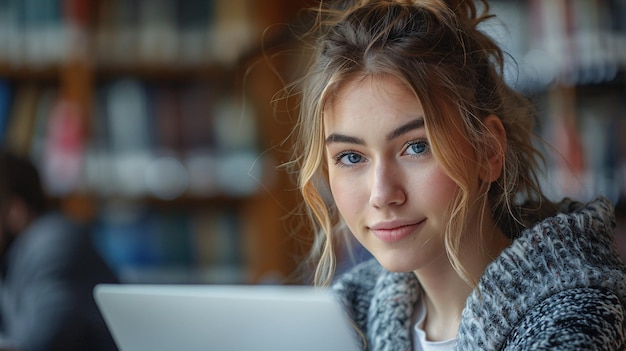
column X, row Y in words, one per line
column 165, row 73
column 48, row 73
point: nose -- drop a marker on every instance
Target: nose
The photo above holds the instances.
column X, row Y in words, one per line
column 387, row 186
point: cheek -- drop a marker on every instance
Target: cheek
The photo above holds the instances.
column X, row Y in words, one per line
column 348, row 194
column 435, row 188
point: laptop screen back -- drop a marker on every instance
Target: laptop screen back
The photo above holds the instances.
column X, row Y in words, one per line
column 224, row 318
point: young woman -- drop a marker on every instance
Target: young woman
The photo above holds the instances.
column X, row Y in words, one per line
column 410, row 140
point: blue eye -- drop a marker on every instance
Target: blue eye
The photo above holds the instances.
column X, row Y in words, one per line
column 417, row 147
column 348, row 158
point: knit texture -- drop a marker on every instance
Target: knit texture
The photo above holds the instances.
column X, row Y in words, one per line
column 561, row 285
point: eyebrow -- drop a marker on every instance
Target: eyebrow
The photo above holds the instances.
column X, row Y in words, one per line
column 340, row 138
column 403, row 129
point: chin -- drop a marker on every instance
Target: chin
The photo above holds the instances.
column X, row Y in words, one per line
column 396, row 266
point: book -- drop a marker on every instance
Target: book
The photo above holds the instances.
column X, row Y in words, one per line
column 6, row 97
column 124, row 38
column 232, row 30
column 216, row 237
column 128, row 119
column 193, row 18
column 19, row 131
column 157, row 32
column 44, row 106
column 62, row 167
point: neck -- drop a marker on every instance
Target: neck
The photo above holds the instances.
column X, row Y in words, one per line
column 446, row 292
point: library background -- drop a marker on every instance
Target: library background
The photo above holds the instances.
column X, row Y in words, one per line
column 151, row 120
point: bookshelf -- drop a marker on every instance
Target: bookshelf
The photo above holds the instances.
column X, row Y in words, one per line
column 146, row 124
column 195, row 200
column 570, row 58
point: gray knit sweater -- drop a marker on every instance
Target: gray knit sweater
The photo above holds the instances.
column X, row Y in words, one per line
column 561, row 285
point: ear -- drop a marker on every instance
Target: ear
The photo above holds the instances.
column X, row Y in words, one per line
column 495, row 150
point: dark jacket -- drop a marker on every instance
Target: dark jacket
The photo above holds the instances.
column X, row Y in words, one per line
column 46, row 290
column 561, row 285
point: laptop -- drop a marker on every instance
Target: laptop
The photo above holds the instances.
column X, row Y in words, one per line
column 224, row 318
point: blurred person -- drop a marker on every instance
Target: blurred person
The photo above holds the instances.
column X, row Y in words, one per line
column 48, row 269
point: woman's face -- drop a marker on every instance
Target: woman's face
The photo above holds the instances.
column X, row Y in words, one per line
column 386, row 183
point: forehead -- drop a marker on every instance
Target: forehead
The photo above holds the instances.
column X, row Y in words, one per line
column 383, row 87
column 370, row 101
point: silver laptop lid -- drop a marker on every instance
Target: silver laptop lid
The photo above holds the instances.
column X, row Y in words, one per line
column 224, row 318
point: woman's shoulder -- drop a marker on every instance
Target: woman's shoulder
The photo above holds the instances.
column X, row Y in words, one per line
column 558, row 260
column 581, row 236
column 596, row 217
column 598, row 315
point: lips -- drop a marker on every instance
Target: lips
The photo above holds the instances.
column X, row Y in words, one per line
column 394, row 231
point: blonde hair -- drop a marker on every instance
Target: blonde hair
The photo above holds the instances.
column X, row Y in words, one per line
column 455, row 70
